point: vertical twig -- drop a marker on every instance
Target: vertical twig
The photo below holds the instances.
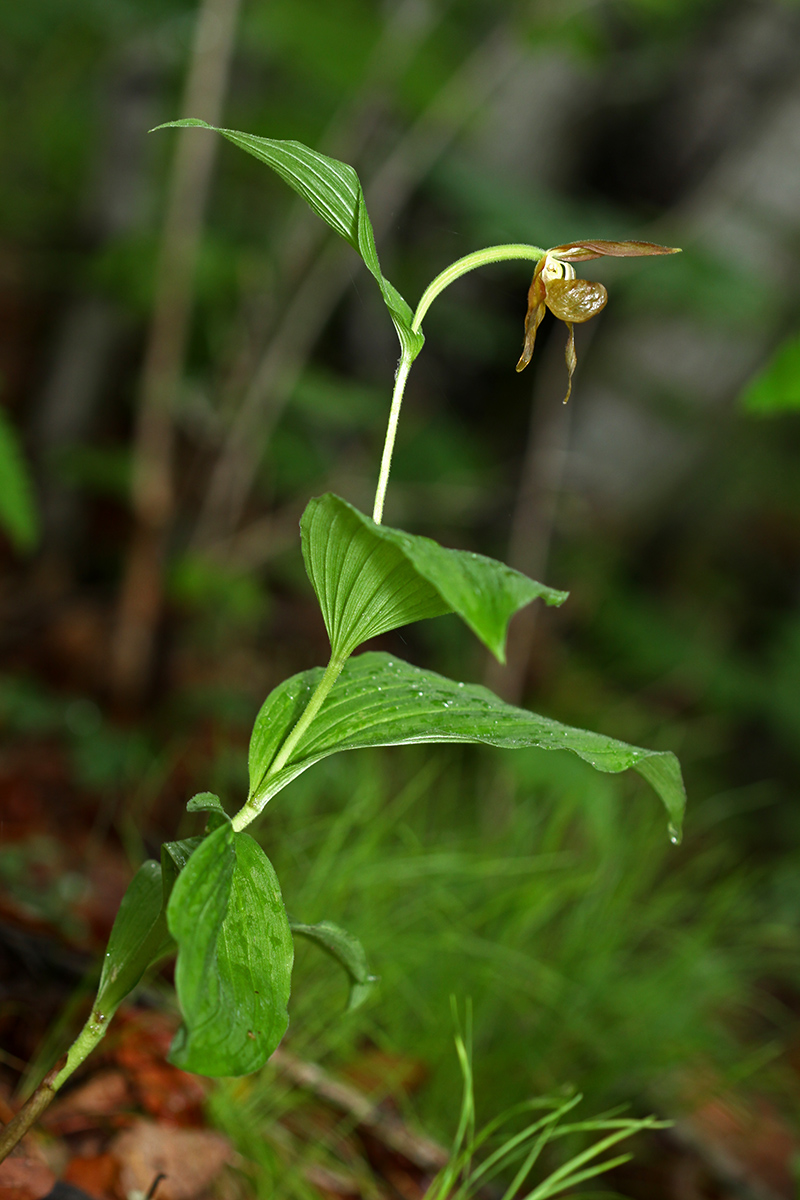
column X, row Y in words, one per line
column 152, row 485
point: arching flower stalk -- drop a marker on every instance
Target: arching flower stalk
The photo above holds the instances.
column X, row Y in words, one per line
column 573, row 300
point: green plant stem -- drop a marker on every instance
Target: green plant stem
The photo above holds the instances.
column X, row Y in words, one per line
column 400, row 378
column 250, row 810
column 478, row 258
column 93, row 1032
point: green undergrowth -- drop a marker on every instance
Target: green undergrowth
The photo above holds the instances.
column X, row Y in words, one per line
column 595, row 955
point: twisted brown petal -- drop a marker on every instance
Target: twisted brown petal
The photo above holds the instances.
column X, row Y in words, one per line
column 533, row 317
column 581, row 251
column 575, row 299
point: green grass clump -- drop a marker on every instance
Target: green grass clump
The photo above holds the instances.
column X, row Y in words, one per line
column 594, row 954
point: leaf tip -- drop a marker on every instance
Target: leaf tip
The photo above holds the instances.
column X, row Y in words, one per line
column 183, row 123
column 205, row 802
column 555, row 598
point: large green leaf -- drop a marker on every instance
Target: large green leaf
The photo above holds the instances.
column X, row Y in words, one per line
column 139, row 937
column 333, row 190
column 369, row 579
column 18, row 515
column 235, row 955
column 348, row 952
column 382, row 701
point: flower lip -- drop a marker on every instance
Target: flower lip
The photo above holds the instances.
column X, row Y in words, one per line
column 572, row 300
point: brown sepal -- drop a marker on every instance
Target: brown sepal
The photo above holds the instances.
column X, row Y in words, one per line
column 581, row 251
column 534, row 315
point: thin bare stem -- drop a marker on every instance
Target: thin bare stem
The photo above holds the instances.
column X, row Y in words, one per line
column 391, row 433
column 478, row 258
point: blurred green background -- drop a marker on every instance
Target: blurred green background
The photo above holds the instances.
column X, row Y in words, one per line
column 186, row 355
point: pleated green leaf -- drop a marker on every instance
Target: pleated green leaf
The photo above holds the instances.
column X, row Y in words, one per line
column 348, row 952
column 235, row 954
column 382, row 701
column 139, row 938
column 333, row 190
column 370, row 579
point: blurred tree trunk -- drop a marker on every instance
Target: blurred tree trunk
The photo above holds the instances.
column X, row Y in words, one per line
column 91, row 326
column 141, row 599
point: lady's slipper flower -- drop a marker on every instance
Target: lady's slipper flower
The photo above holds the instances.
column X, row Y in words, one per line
column 555, row 286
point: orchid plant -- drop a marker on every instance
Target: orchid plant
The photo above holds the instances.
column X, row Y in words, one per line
column 215, row 900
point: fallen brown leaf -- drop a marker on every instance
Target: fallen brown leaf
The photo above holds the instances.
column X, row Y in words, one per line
column 163, row 1091
column 96, row 1176
column 93, row 1103
column 24, row 1178
column 190, row 1159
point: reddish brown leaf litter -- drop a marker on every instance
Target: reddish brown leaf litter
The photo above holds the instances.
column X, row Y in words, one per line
column 97, row 1175
column 140, row 1046
column 746, row 1142
column 93, row 1104
column 189, row 1159
column 23, row 1177
column 131, row 1118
